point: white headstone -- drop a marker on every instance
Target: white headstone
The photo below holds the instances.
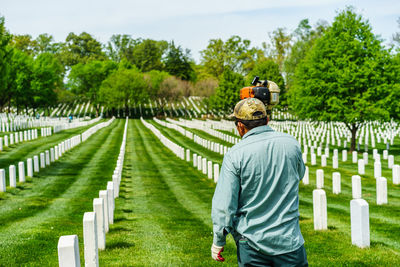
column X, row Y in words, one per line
column 320, row 210
column 47, row 158
column 52, row 155
column 336, row 182
column 194, row 160
column 327, row 152
column 396, row 174
column 187, row 154
column 390, row 161
column 377, row 169
column 385, row 154
column 304, row 156
column 354, row 156
column 68, row 251
column 104, row 195
column 21, row 172
column 98, row 208
column 13, row 176
column 323, row 161
column 209, row 170
column 365, row 158
column 42, row 161
column 110, row 193
column 320, row 178
column 359, row 217
column 335, row 162
column 90, row 239
column 306, row 178
column 356, row 186
column 204, row 166
column 2, row 180
column 199, row 163
column 216, row 172
column 29, row 167
column 313, row 159
column 344, row 155
column 361, row 167
column 35, row 163
column 381, row 191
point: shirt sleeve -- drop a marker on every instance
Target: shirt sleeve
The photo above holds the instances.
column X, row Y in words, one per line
column 225, row 201
column 301, row 166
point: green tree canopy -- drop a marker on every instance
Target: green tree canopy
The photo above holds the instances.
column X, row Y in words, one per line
column 147, row 55
column 343, row 77
column 121, row 47
column 227, row 93
column 122, row 88
column 81, row 49
column 85, row 79
column 47, row 78
column 178, row 63
column 5, row 58
column 234, row 54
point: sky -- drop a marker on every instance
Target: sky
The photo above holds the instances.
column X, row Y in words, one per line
column 190, row 24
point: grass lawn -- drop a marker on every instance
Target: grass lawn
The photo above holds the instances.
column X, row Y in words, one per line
column 163, row 214
column 35, row 214
column 332, row 247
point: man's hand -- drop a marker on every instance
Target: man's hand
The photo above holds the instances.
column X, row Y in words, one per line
column 216, row 252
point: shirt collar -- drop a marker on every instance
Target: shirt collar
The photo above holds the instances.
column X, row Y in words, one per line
column 258, row 130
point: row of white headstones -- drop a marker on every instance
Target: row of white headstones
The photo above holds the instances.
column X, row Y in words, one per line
column 359, row 208
column 45, row 158
column 95, row 223
column 201, row 163
column 18, row 137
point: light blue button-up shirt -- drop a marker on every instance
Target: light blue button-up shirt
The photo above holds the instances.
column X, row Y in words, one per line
column 257, row 195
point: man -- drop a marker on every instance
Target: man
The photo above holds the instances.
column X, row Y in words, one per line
column 256, row 198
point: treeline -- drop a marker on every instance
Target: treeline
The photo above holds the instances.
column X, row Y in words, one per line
column 39, row 73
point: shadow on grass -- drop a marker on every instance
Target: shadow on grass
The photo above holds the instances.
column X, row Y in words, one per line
column 119, row 244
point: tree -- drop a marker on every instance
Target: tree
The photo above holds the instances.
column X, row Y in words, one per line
column 24, row 43
column 178, row 63
column 122, row 87
column 85, row 79
column 280, row 45
column 234, row 54
column 121, row 47
column 206, row 88
column 47, row 78
column 147, row 55
column 80, row 49
column 396, row 36
column 227, row 93
column 269, row 70
column 304, row 37
column 5, row 58
column 19, row 85
column 343, row 76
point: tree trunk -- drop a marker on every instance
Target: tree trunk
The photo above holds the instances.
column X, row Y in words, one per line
column 353, row 130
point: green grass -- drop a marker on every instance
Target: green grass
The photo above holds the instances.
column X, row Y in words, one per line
column 162, row 216
column 38, row 212
column 333, row 246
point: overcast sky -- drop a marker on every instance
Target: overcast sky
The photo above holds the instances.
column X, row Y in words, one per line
column 190, row 24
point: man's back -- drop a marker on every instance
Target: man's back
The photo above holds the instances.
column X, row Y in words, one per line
column 268, row 166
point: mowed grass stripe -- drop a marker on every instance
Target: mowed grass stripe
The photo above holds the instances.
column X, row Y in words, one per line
column 33, row 240
column 155, row 226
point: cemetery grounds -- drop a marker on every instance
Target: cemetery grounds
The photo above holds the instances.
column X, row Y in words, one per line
column 162, row 214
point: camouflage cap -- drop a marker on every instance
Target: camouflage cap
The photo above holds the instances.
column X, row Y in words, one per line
column 249, row 109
